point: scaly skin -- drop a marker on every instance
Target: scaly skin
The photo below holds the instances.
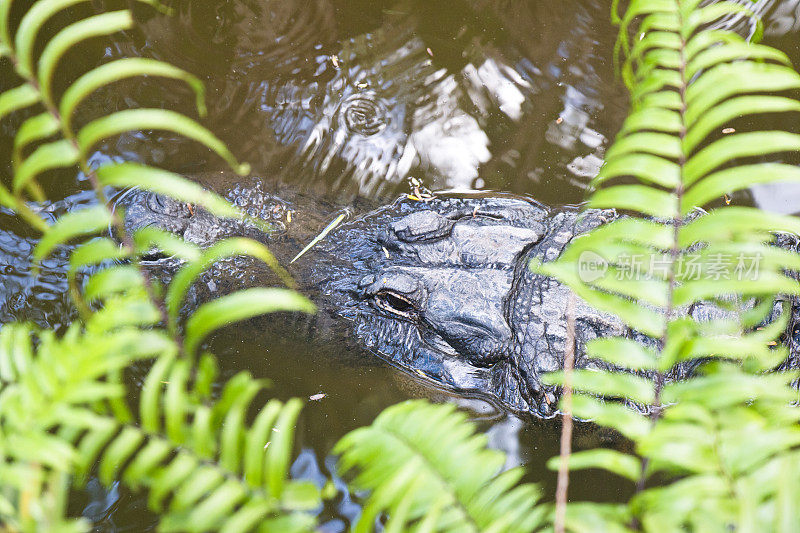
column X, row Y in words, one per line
column 440, row 288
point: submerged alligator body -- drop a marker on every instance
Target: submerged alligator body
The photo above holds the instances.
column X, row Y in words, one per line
column 440, row 288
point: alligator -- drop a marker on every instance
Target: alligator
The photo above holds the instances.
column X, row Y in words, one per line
column 438, row 286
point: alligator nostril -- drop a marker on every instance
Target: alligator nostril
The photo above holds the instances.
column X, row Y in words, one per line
column 363, row 114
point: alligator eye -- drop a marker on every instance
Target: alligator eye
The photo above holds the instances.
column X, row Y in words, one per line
column 395, row 303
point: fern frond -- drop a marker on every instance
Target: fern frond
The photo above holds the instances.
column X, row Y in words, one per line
column 695, row 80
column 726, row 438
column 36, row 72
column 209, row 470
column 215, row 471
column 63, row 402
column 716, row 438
column 427, row 468
column 46, row 496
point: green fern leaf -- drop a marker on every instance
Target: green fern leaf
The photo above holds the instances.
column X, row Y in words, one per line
column 423, row 462
column 688, row 80
column 154, row 119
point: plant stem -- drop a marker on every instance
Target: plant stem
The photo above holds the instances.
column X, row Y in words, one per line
column 656, row 410
column 116, row 221
column 566, row 426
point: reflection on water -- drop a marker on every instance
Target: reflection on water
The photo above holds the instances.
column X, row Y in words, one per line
column 464, row 95
column 41, row 298
column 346, row 99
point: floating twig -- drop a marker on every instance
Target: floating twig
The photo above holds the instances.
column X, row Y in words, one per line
column 322, row 235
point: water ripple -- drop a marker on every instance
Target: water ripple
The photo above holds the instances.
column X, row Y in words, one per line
column 363, row 114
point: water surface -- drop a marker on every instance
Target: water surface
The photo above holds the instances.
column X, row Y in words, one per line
column 346, row 100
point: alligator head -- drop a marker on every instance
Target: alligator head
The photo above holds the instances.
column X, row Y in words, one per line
column 443, row 288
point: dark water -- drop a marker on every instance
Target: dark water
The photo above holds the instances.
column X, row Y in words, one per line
column 345, row 100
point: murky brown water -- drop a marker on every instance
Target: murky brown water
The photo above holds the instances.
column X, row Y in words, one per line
column 346, row 99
